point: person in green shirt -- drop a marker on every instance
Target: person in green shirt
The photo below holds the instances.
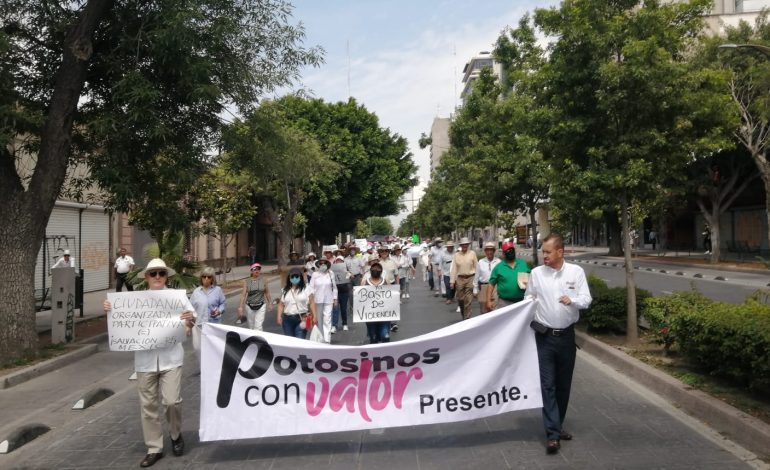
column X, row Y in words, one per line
column 505, row 279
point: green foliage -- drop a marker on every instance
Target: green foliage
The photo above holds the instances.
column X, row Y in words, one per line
column 380, row 225
column 660, row 311
column 728, row 340
column 374, row 166
column 608, row 309
column 172, row 253
column 362, row 229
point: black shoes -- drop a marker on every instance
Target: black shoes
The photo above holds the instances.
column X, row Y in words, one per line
column 150, row 459
column 177, row 446
column 552, row 446
column 565, row 436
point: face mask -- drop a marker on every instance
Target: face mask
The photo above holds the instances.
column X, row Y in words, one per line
column 323, row 268
column 510, row 255
column 376, row 273
column 294, row 280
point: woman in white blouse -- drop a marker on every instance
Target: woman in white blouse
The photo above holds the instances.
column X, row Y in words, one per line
column 324, row 289
column 295, row 304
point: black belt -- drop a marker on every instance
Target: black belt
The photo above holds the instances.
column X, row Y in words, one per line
column 557, row 331
column 483, row 283
column 465, row 276
column 512, row 300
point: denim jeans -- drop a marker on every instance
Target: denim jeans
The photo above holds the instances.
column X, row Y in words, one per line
column 450, row 293
column 378, row 331
column 556, row 355
column 341, row 309
column 291, row 326
column 431, row 282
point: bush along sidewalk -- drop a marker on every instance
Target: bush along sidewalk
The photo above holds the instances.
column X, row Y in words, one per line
column 608, row 309
column 726, row 340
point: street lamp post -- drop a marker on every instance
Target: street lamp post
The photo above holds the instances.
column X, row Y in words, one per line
column 757, row 47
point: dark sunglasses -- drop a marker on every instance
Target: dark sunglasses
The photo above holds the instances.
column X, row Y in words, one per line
column 207, row 277
column 158, row 273
column 294, row 277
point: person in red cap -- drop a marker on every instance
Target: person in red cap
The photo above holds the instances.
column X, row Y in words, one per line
column 505, row 278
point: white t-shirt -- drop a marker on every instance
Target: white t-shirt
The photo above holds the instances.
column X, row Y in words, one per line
column 123, row 264
column 296, row 301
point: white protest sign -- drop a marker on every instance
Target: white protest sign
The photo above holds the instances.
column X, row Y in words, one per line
column 376, row 303
column 148, row 319
column 257, row 384
column 362, row 244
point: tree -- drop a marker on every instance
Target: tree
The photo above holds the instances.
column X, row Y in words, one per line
column 362, row 229
column 279, row 162
column 717, row 182
column 631, row 110
column 750, row 88
column 380, row 225
column 226, row 205
column 139, row 83
column 375, row 166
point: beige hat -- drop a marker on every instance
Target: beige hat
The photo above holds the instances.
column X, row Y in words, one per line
column 465, row 241
column 437, row 240
column 450, row 244
column 489, row 245
column 373, row 257
column 396, row 247
column 157, row 264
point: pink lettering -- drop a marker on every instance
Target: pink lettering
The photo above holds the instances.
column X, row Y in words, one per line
column 312, row 408
column 380, row 381
column 351, row 391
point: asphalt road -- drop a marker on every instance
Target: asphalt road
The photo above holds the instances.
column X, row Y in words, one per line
column 734, row 289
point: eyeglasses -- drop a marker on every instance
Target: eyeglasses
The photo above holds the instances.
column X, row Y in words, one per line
column 207, row 277
column 294, row 277
column 158, row 273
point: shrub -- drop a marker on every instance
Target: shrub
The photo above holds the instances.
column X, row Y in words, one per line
column 659, row 311
column 728, row 340
column 608, row 309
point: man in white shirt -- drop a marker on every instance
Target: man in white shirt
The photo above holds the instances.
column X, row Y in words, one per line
column 434, row 275
column 123, row 265
column 560, row 291
column 483, row 271
column 447, row 256
column 65, row 261
column 159, row 377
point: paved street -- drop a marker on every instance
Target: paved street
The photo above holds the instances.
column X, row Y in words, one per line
column 735, row 287
column 616, row 424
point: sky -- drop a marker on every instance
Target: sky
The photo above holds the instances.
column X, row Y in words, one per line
column 404, row 58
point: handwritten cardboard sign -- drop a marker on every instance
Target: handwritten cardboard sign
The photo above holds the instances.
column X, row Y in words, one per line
column 376, row 303
column 144, row 320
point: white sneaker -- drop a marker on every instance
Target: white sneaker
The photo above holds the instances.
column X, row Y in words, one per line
column 458, row 309
column 344, row 327
column 334, row 329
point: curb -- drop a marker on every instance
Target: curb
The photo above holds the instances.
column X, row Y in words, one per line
column 735, row 269
column 749, row 432
column 29, row 373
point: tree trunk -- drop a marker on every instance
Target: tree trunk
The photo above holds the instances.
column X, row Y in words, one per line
column 614, row 231
column 632, row 329
column 533, row 221
column 17, row 310
column 25, row 212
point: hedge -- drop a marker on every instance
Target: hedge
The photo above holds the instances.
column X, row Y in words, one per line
column 727, row 339
column 608, row 309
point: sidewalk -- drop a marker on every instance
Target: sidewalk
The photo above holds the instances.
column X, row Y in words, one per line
column 92, row 301
column 616, row 422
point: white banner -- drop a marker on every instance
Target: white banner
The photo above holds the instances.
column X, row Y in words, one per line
column 257, row 384
column 147, row 319
column 376, row 303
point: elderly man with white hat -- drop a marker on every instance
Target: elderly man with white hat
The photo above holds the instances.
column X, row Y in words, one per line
column 65, row 261
column 435, row 278
column 461, row 276
column 483, row 272
column 159, row 376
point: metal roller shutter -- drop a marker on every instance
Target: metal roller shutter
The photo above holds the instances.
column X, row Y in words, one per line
column 95, row 246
